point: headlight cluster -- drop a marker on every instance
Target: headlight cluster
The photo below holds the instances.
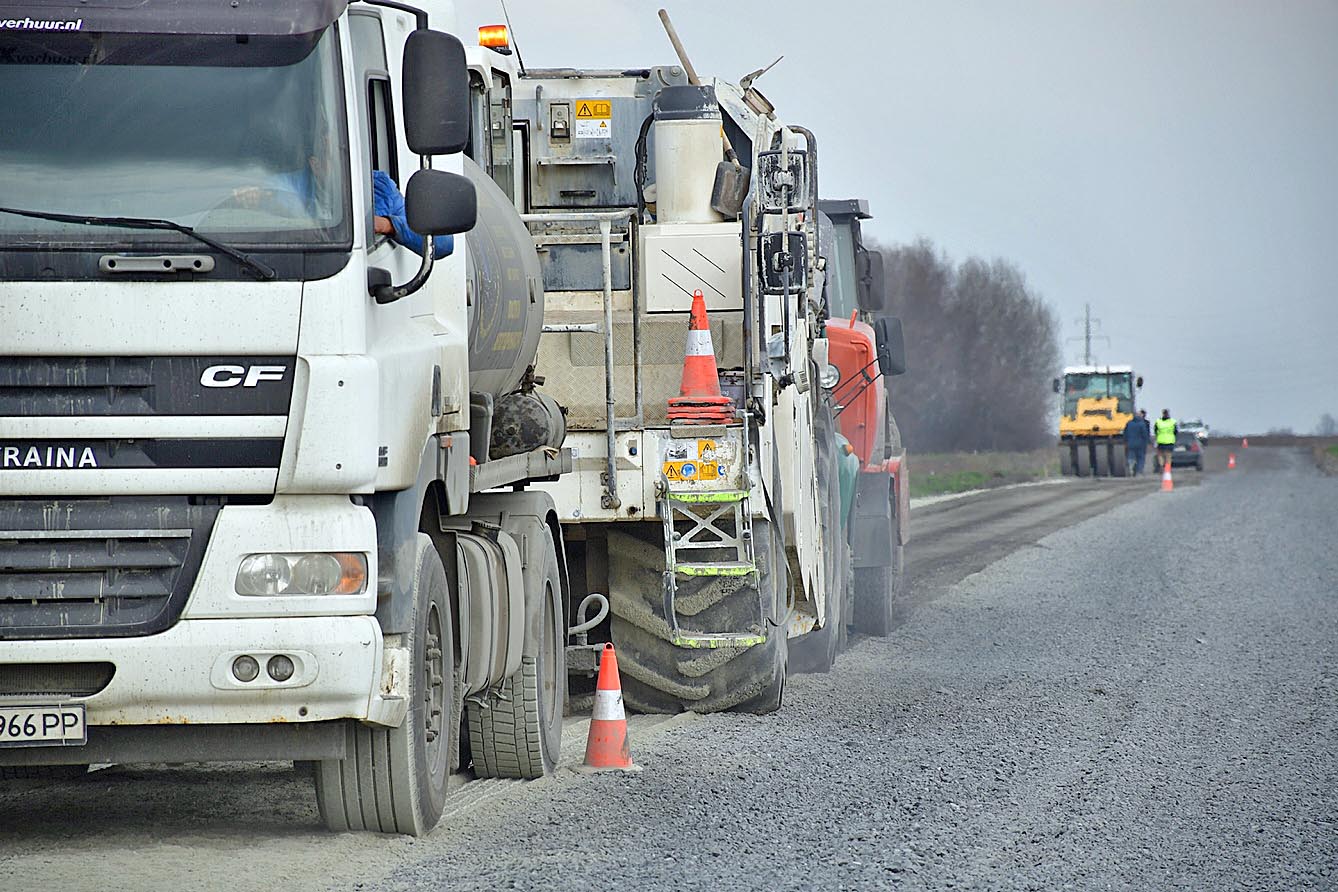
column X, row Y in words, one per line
column 312, row 573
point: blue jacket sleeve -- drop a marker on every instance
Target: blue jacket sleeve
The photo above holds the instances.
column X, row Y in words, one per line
column 388, row 202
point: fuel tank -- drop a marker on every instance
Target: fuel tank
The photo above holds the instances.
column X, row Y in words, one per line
column 505, row 289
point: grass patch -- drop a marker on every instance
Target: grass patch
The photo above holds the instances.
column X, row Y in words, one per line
column 933, row 484
column 1333, row 450
column 933, row 474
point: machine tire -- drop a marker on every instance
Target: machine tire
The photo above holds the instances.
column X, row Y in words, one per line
column 1067, row 459
column 1103, row 464
column 520, row 734
column 394, row 780
column 1119, row 460
column 658, row 676
column 877, row 591
column 1084, row 459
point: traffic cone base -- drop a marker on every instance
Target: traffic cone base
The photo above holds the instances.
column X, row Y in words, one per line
column 699, row 399
column 607, row 748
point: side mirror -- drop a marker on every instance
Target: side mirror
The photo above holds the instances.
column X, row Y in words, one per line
column 436, row 94
column 779, row 252
column 890, row 344
column 1055, row 384
column 440, row 203
column 1139, row 382
column 871, row 286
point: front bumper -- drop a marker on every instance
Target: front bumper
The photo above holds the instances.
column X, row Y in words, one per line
column 183, row 676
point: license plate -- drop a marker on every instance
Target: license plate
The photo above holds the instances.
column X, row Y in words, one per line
column 1182, row 449
column 49, row 725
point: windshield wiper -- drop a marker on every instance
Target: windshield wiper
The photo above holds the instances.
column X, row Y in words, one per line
column 261, row 269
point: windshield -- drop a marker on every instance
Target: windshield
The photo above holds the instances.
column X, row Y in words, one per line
column 241, row 138
column 841, row 275
column 1087, row 386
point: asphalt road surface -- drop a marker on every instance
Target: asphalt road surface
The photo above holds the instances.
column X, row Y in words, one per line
column 1095, row 685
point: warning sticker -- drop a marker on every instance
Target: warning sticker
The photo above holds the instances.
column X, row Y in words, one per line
column 592, row 118
column 680, row 470
column 675, row 471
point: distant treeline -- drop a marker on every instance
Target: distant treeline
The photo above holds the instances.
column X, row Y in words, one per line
column 982, row 349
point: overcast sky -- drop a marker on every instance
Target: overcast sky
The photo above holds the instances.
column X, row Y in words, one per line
column 1172, row 162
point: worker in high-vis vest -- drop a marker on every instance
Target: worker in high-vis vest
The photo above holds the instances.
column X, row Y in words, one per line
column 1164, row 431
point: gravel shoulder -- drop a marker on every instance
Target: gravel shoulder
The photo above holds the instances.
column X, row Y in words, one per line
column 1146, row 699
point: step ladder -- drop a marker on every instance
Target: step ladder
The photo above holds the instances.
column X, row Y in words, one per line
column 708, row 533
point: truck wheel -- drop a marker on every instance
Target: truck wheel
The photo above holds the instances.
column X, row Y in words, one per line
column 657, row 675
column 1119, row 460
column 393, row 780
column 1067, row 460
column 519, row 734
column 877, row 590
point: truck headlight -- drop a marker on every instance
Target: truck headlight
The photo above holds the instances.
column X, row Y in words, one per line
column 312, row 573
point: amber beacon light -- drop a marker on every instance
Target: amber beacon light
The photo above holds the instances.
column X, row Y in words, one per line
column 495, row 37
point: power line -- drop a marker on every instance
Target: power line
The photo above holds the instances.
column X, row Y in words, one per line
column 1086, row 336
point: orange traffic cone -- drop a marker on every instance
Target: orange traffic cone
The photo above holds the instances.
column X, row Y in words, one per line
column 699, row 400
column 1166, row 483
column 1231, row 460
column 606, row 748
column 1244, row 442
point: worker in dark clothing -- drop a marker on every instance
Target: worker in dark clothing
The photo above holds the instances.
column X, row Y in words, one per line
column 1136, row 439
column 1164, row 430
column 1147, row 425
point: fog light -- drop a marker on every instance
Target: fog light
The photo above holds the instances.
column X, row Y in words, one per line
column 245, row 669
column 279, row 667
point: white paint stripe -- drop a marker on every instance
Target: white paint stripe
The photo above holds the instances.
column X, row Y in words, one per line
column 699, row 343
column 608, row 707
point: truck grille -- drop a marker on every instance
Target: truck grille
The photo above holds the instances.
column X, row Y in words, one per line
column 98, row 567
column 139, row 385
column 54, row 679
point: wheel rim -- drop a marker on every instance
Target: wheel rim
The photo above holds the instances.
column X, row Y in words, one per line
column 434, row 687
column 548, row 656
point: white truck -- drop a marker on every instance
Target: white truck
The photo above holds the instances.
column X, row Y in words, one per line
column 264, row 468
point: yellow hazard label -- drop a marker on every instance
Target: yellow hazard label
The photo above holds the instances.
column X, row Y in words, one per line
column 678, row 471
column 706, row 450
column 594, row 108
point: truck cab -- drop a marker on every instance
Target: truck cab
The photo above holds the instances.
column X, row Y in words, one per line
column 247, row 479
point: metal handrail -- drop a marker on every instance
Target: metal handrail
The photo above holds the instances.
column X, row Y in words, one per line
column 605, row 219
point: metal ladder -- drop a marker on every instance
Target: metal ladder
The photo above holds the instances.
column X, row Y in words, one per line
column 715, row 540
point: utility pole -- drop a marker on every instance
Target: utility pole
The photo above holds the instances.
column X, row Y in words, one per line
column 1086, row 338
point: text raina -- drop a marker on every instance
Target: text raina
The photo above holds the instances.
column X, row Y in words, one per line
column 47, row 457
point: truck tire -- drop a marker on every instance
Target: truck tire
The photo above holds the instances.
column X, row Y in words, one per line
column 1067, row 459
column 1102, row 454
column 816, row 651
column 1119, row 460
column 877, row 592
column 660, row 677
column 393, row 780
column 519, row 735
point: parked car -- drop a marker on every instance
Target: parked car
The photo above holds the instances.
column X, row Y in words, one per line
column 1188, row 450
